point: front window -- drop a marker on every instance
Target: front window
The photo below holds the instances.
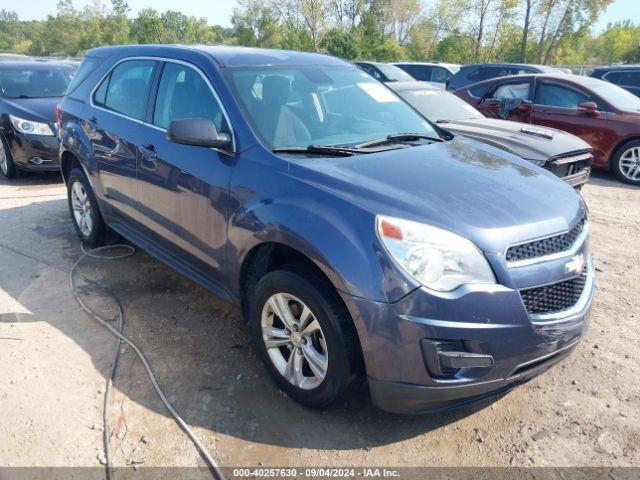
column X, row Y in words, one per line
column 559, row 96
column 440, row 105
column 41, row 81
column 330, row 106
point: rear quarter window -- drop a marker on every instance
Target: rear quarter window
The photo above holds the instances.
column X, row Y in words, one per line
column 85, row 69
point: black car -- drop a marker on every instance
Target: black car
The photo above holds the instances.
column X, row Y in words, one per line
column 469, row 74
column 385, row 72
column 625, row 76
column 562, row 153
column 29, row 93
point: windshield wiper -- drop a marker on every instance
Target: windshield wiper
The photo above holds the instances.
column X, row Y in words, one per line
column 318, row 150
column 398, row 137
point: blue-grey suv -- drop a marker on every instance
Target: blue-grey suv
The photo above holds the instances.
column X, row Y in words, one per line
column 362, row 243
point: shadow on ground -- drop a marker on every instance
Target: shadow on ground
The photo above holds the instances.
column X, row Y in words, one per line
column 197, row 344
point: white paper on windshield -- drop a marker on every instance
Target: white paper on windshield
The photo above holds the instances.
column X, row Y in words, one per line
column 378, row 92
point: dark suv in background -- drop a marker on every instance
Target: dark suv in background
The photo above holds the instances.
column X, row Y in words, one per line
column 439, row 269
column 469, row 74
column 625, row 76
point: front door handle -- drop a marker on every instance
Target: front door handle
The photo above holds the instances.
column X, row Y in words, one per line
column 148, row 157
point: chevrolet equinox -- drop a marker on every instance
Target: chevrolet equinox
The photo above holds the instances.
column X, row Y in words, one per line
column 363, row 244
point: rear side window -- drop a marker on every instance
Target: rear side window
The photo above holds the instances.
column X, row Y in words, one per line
column 126, row 89
column 419, row 72
column 183, row 93
column 87, row 66
column 624, row 78
column 485, row 73
column 440, row 74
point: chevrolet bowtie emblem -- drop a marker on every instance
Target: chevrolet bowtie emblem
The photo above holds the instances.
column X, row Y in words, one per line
column 575, row 265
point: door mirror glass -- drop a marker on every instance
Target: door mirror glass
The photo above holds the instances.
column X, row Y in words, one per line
column 588, row 107
column 199, row 132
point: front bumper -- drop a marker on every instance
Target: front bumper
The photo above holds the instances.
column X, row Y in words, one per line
column 488, row 321
column 35, row 152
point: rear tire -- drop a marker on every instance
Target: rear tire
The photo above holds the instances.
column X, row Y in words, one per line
column 327, row 367
column 7, row 167
column 84, row 210
column 626, row 162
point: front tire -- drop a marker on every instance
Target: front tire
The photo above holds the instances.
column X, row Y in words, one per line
column 7, row 167
column 84, row 210
column 305, row 338
column 626, row 162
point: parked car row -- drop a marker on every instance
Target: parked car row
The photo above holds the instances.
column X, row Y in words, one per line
column 604, row 115
column 592, row 108
column 363, row 238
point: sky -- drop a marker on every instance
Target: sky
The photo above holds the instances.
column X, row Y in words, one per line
column 218, row 12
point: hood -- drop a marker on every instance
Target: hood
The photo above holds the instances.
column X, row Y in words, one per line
column 513, row 137
column 36, row 109
column 489, row 196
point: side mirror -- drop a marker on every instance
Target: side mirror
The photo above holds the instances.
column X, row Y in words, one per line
column 590, row 108
column 199, row 132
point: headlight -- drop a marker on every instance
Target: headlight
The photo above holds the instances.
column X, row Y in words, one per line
column 438, row 259
column 30, row 127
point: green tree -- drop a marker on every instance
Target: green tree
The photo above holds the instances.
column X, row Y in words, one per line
column 341, row 44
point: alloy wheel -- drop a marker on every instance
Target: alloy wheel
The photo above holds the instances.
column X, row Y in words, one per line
column 294, row 340
column 81, row 205
column 4, row 161
column 629, row 164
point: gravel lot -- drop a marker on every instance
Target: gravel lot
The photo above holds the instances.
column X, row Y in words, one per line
column 54, row 359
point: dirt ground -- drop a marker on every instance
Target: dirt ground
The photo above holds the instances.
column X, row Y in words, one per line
column 54, row 360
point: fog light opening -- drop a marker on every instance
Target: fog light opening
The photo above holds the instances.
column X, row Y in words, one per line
column 444, row 359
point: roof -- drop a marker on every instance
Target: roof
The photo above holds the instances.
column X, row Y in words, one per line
column 429, row 64
column 546, row 68
column 619, row 67
column 228, row 56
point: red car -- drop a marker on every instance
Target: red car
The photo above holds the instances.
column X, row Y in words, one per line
column 604, row 115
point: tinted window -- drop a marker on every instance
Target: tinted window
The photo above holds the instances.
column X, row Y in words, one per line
column 419, row 72
column 481, row 90
column 40, row 81
column 485, row 73
column 560, row 96
column 127, row 88
column 371, row 71
column 627, row 78
column 87, row 66
column 440, row 74
column 183, row 93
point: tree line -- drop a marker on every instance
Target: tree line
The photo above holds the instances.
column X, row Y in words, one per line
column 555, row 32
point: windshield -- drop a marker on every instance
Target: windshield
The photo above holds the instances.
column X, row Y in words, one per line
column 41, row 81
column 302, row 106
column 616, row 96
column 438, row 105
column 394, row 73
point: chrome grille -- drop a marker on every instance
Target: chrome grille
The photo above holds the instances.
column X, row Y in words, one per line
column 545, row 246
column 555, row 297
